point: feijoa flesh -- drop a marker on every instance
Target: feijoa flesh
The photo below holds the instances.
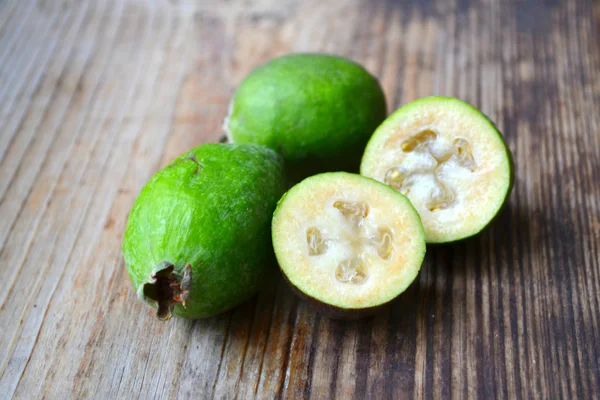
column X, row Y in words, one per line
column 449, row 159
column 317, row 110
column 197, row 241
column 346, row 243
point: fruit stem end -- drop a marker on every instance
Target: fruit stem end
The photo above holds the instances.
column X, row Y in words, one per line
column 167, row 288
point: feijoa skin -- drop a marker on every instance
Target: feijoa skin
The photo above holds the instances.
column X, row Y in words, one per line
column 347, row 244
column 197, row 241
column 317, row 110
column 449, row 159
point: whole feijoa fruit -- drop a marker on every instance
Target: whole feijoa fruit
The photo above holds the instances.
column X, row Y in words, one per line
column 346, row 243
column 317, row 110
column 449, row 159
column 197, row 241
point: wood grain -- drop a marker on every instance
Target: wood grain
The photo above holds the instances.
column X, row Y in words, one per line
column 96, row 96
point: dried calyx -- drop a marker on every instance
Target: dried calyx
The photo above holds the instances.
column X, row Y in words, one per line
column 353, row 270
column 403, row 179
column 167, row 288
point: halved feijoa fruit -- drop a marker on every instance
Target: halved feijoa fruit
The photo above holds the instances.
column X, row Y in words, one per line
column 347, row 243
column 317, row 110
column 197, row 241
column 449, row 159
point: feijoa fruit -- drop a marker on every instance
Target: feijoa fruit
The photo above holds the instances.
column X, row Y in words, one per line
column 449, row 159
column 346, row 243
column 317, row 110
column 197, row 241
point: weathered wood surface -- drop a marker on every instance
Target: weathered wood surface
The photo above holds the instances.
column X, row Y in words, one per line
column 96, row 96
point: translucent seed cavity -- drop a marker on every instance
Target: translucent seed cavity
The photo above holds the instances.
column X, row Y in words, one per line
column 383, row 242
column 352, row 271
column 315, row 242
column 395, row 177
column 417, row 140
column 464, row 156
column 442, row 197
column 400, row 180
column 354, row 210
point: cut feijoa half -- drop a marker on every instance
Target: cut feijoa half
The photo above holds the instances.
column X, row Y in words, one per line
column 449, row 159
column 346, row 243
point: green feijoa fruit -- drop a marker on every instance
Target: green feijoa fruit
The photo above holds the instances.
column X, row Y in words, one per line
column 317, row 110
column 197, row 241
column 346, row 243
column 449, row 159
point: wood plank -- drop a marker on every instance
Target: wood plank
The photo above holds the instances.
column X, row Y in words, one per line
column 48, row 108
column 96, row 96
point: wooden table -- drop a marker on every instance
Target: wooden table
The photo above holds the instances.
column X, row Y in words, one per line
column 96, row 96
